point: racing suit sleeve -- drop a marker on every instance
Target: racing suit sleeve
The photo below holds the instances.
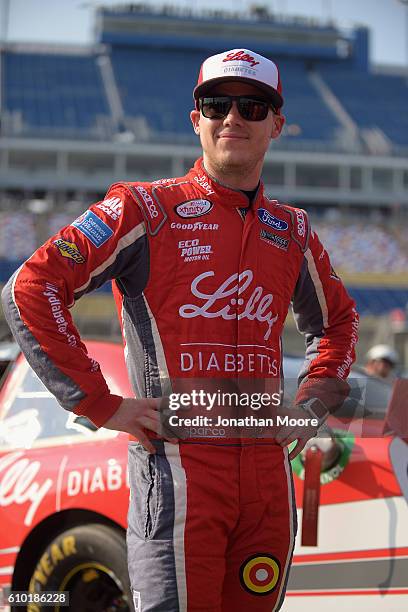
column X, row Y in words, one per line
column 108, row 241
column 326, row 315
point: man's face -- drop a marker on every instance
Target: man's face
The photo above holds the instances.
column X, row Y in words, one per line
column 233, row 142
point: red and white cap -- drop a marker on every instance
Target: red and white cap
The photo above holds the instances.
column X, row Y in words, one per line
column 240, row 65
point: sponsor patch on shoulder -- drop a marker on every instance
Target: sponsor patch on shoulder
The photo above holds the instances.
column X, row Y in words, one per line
column 112, row 207
column 69, row 250
column 91, row 226
column 278, row 241
column 193, row 208
column 150, row 206
column 301, row 223
column 267, row 218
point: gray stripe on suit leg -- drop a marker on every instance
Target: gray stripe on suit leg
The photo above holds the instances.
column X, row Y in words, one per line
column 151, row 517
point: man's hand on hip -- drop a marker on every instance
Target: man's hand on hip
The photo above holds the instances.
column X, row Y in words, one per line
column 297, row 430
column 136, row 415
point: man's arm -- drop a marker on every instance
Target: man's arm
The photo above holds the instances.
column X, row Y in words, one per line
column 326, row 315
column 98, row 246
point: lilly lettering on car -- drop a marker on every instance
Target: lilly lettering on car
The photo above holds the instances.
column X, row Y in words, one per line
column 54, row 469
column 19, row 484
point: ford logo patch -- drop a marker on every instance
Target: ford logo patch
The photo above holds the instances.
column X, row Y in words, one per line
column 268, row 219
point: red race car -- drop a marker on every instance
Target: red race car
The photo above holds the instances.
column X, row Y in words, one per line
column 64, row 498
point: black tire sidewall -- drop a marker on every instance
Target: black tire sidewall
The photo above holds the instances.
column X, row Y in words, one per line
column 98, row 546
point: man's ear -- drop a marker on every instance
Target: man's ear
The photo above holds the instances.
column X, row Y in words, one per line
column 195, row 120
column 277, row 126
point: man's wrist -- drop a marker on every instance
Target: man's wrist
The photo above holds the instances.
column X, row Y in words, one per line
column 101, row 409
column 316, row 409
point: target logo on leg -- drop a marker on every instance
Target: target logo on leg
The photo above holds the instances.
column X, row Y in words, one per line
column 259, row 574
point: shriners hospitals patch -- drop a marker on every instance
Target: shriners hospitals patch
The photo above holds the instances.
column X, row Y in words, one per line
column 259, row 574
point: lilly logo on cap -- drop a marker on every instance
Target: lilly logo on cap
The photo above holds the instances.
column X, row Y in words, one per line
column 242, row 57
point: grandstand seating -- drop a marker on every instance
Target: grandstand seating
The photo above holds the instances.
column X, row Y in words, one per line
column 57, row 93
column 379, row 300
column 150, row 85
column 59, row 220
column 304, row 106
column 63, row 94
column 54, row 94
column 17, row 236
column 363, row 248
column 372, row 100
column 157, row 85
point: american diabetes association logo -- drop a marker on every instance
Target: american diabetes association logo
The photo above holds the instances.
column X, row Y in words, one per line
column 259, row 574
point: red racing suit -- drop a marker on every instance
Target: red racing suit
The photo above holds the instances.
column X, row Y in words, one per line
column 203, row 282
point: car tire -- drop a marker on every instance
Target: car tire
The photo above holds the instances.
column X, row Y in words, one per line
column 88, row 561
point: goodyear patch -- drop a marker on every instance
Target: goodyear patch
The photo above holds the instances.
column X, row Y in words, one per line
column 259, row 574
column 69, row 250
column 91, row 226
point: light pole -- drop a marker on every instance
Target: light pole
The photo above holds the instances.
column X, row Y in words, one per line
column 405, row 3
column 328, row 9
column 4, row 19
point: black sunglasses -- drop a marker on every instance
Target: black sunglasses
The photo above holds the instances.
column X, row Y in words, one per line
column 250, row 108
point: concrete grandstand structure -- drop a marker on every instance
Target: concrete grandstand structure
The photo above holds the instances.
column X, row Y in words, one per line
column 74, row 120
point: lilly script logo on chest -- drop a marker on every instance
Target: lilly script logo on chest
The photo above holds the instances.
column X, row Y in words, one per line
column 256, row 307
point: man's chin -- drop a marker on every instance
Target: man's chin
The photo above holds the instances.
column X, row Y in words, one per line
column 233, row 158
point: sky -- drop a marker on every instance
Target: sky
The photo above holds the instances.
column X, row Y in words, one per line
column 71, row 21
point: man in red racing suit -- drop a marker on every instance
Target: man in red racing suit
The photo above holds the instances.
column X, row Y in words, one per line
column 205, row 267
